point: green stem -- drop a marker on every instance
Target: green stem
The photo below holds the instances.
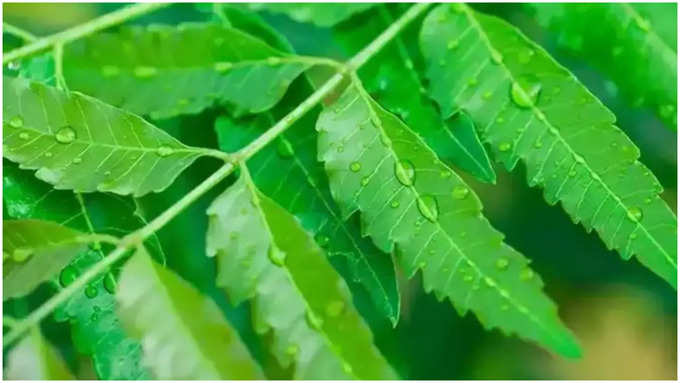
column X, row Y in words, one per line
column 136, row 238
column 82, row 30
column 18, row 32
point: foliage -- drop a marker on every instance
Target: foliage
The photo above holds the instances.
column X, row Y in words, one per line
column 350, row 174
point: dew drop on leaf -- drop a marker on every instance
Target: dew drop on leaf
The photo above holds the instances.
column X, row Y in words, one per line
column 273, row 61
column 355, row 166
column 460, row 192
column 365, row 181
column 24, row 136
column 405, row 172
column 526, row 274
column 524, row 92
column 145, row 71
column 13, row 65
column 284, row 148
column 502, row 263
column 164, row 151
column 335, row 308
column 65, row 135
column 277, row 256
column 20, row 255
column 504, row 146
column 91, row 291
column 292, row 350
column 48, row 154
column 322, row 240
column 68, row 275
column 634, row 214
column 110, row 283
column 16, row 122
column 222, row 67
column 110, row 71
column 394, row 204
column 427, row 205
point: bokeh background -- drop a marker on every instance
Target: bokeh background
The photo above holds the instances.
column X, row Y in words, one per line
column 624, row 316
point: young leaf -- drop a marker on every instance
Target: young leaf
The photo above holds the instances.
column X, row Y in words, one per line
column 183, row 334
column 410, row 199
column 265, row 255
column 391, row 78
column 77, row 142
column 33, row 358
column 154, row 70
column 540, row 113
column 95, row 327
column 320, row 14
column 634, row 44
column 33, row 252
column 355, row 257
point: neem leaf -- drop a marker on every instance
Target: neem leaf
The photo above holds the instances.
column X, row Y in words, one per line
column 35, row 251
column 79, row 143
column 265, row 255
column 320, row 14
column 184, row 335
column 166, row 70
column 33, row 358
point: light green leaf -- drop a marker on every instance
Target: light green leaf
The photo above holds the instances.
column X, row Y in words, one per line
column 33, row 358
column 392, row 79
column 355, row 257
column 183, row 334
column 95, row 328
column 634, row 44
column 320, row 14
column 77, row 142
column 33, row 252
column 410, row 199
column 265, row 255
column 154, row 70
column 541, row 114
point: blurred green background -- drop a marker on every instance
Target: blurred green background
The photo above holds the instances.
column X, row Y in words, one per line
column 624, row 316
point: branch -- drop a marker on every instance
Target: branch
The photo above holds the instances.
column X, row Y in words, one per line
column 134, row 239
column 18, row 32
column 82, row 30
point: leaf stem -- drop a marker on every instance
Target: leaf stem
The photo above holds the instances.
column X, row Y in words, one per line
column 82, row 30
column 134, row 239
column 18, row 32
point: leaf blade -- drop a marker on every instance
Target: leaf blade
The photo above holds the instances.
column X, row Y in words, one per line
column 35, row 359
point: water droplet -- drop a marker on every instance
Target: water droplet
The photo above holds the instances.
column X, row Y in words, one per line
column 110, row 283
column 110, row 71
column 164, row 151
column 24, row 136
column 13, row 65
column 284, row 148
column 572, row 173
column 77, row 160
column 468, row 278
column 65, row 135
column 504, row 146
column 222, row 67
column 408, row 64
column 355, row 166
column 48, row 154
column 292, row 350
column 313, row 320
column 20, row 255
column 107, row 173
column 427, row 205
column 16, row 122
column 68, row 275
column 472, row 81
column 145, row 71
column 460, row 192
column 642, row 23
column 526, row 274
column 365, row 181
column 394, row 204
column 634, row 214
column 340, row 148
column 273, row 61
column 335, row 308
column 277, row 256
column 487, row 95
column 91, row 291
column 453, row 44
column 322, row 240
column 524, row 92
column 648, row 200
column 502, row 263
column 405, row 172
column 346, row 367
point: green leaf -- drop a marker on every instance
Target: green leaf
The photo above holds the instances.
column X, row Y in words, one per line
column 33, row 252
column 183, row 334
column 154, row 70
column 90, row 312
column 77, row 142
column 541, row 114
column 391, row 78
column 410, row 199
column 355, row 257
column 33, row 358
column 265, row 255
column 320, row 14
column 634, row 44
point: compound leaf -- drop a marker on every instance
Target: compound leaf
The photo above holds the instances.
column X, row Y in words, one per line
column 320, row 14
column 410, row 199
column 33, row 358
column 393, row 80
column 155, row 70
column 634, row 44
column 265, row 255
column 184, row 335
column 79, row 143
column 33, row 252
column 539, row 113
